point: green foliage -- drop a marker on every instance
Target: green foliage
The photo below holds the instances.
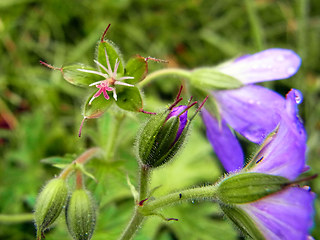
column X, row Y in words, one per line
column 72, row 74
column 98, row 107
column 40, row 112
column 136, row 67
column 129, row 98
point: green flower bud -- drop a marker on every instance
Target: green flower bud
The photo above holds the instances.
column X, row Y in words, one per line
column 162, row 136
column 50, row 203
column 81, row 215
column 249, row 187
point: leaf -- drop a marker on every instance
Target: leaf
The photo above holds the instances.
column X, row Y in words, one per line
column 113, row 54
column 129, row 98
column 58, row 162
column 97, row 107
column 136, row 67
column 72, row 74
column 85, row 172
column 211, row 79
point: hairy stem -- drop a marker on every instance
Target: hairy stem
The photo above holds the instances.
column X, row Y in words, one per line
column 197, row 193
column 137, row 217
column 163, row 73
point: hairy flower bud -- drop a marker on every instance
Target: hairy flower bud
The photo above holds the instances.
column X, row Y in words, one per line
column 249, row 187
column 81, row 215
column 50, row 203
column 162, row 136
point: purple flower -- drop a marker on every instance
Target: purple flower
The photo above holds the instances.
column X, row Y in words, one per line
column 253, row 111
column 283, row 154
column 183, row 119
column 286, row 214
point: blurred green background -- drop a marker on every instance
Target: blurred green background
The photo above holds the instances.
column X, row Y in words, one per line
column 40, row 113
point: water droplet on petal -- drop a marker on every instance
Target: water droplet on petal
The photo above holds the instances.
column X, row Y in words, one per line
column 298, row 96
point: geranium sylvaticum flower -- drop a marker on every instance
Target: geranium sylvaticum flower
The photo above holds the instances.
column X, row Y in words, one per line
column 286, row 214
column 111, row 79
column 253, row 111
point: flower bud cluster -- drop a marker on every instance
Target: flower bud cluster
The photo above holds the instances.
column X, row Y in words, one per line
column 80, row 209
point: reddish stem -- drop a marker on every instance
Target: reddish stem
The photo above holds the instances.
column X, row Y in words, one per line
column 79, row 180
column 104, row 33
column 81, row 125
column 155, row 59
column 49, row 66
column 153, row 113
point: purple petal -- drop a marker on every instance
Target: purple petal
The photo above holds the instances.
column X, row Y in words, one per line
column 225, row 144
column 271, row 64
column 285, row 215
column 285, row 154
column 253, row 111
column 183, row 119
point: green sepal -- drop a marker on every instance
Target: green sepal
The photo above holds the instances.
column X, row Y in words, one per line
column 85, row 172
column 81, row 215
column 97, row 107
column 249, row 187
column 79, row 78
column 148, row 135
column 157, row 143
column 136, row 67
column 242, row 220
column 113, row 54
column 50, row 203
column 212, row 79
column 129, row 98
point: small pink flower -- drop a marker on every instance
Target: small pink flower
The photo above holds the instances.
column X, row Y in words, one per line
column 111, row 79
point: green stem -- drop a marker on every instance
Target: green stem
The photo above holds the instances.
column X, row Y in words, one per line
column 133, row 225
column 148, row 208
column 112, row 140
column 137, row 217
column 164, row 73
column 197, row 193
column 144, row 182
column 16, row 218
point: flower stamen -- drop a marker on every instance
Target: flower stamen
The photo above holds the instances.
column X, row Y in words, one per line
column 109, row 81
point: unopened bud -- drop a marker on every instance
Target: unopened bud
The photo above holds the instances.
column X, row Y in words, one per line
column 50, row 203
column 81, row 215
column 249, row 187
column 163, row 136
